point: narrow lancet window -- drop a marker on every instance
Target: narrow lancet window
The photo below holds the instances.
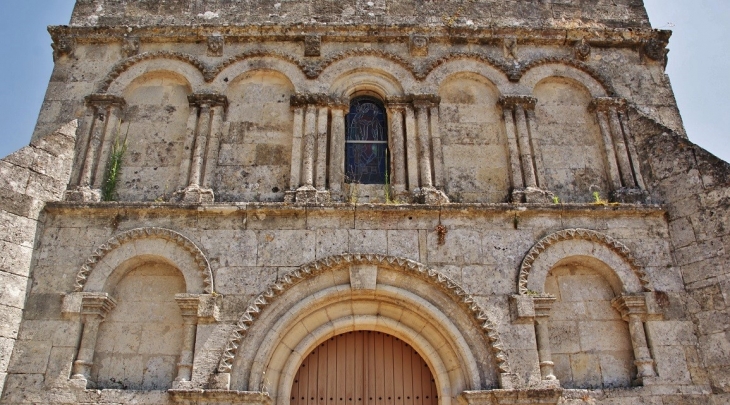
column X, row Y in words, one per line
column 366, row 142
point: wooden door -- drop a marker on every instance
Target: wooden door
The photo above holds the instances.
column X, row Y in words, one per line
column 364, row 368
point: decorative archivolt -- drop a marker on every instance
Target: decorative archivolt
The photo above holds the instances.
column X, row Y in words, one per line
column 431, row 276
column 182, row 251
column 579, row 234
column 312, row 70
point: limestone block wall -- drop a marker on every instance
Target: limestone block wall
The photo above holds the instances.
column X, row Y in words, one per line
column 250, row 246
column 29, row 178
column 698, row 215
column 482, row 12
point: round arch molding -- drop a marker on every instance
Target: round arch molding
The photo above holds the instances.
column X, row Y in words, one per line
column 349, row 293
column 167, row 245
column 608, row 254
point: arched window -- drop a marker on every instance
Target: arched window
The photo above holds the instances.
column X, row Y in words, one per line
column 366, row 142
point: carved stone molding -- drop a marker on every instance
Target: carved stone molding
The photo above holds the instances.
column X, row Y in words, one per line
column 319, row 99
column 312, row 45
column 579, row 234
column 410, row 267
column 146, row 233
column 313, row 69
column 130, row 46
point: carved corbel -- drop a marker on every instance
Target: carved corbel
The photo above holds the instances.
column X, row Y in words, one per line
column 418, row 45
column 130, row 46
column 62, row 46
column 582, row 50
column 312, row 45
column 215, row 45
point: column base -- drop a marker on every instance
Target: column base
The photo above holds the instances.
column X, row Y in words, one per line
column 532, row 195
column 430, row 195
column 307, row 195
column 627, row 195
column 194, row 194
column 82, row 194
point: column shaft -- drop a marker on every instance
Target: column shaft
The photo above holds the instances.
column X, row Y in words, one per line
column 622, row 154
column 613, row 172
column 185, row 366
column 438, row 153
column 210, row 161
column 397, row 150
column 190, row 132
column 82, row 145
column 337, row 150
column 642, row 357
column 411, row 149
column 514, row 152
column 296, row 149
column 632, row 151
column 85, row 356
column 310, row 129
column 536, row 155
column 92, row 151
column 523, row 138
column 542, row 334
column 201, row 143
column 321, row 162
column 111, row 136
column 424, row 146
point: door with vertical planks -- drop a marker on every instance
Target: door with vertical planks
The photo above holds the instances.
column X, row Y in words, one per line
column 364, row 368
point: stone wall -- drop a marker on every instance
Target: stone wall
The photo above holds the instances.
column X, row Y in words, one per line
column 695, row 186
column 29, row 178
column 595, row 13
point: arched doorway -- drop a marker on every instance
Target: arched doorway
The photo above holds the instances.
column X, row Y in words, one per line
column 364, row 368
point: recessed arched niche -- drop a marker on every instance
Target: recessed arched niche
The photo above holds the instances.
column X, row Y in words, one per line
column 139, row 342
column 569, row 141
column 154, row 127
column 474, row 143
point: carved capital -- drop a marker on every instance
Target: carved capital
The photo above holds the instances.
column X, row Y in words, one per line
column 202, row 307
column 316, row 99
column 312, row 45
column 629, row 305
column 215, row 45
column 418, row 45
column 100, row 100
column 97, row 304
column 608, row 103
column 513, row 100
column 210, row 99
column 543, row 304
column 425, row 100
column 130, row 46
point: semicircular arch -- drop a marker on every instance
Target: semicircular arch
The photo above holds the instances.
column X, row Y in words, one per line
column 110, row 261
column 537, row 71
column 440, row 70
column 320, row 283
column 347, row 75
column 233, row 68
column 604, row 254
column 126, row 71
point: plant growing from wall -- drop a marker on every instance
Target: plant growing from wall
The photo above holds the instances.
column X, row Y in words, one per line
column 114, row 167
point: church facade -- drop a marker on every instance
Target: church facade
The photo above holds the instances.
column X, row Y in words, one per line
column 363, row 203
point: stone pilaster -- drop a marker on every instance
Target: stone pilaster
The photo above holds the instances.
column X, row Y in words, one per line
column 633, row 310
column 103, row 130
column 94, row 308
column 622, row 165
column 519, row 122
column 208, row 110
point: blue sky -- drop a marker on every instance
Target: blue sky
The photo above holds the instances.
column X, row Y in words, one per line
column 699, row 65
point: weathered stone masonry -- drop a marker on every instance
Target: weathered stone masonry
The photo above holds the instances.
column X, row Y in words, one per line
column 542, row 231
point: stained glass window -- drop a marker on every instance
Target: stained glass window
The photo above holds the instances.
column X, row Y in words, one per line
column 366, row 142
